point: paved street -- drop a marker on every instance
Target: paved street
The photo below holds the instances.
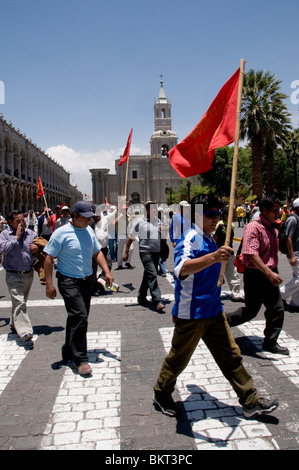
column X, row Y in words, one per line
column 47, row 406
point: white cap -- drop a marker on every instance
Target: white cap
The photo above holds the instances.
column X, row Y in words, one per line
column 296, row 202
column 184, row 203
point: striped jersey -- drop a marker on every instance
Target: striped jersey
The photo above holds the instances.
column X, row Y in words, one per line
column 197, row 296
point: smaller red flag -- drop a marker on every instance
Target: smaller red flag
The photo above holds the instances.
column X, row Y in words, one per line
column 126, row 154
column 40, row 189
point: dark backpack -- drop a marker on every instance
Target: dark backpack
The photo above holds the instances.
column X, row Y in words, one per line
column 282, row 236
column 282, row 239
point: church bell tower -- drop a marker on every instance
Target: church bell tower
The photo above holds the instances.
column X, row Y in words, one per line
column 163, row 139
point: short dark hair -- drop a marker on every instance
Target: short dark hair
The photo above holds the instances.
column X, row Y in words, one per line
column 208, row 201
column 13, row 213
column 266, row 202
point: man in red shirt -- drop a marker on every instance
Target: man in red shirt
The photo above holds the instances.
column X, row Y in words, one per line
column 261, row 278
column 54, row 218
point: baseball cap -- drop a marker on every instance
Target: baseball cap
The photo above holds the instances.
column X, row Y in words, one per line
column 83, row 208
column 296, row 202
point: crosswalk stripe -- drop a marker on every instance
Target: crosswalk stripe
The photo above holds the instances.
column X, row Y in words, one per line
column 86, row 413
column 289, row 365
column 212, row 407
column 113, row 300
column 12, row 352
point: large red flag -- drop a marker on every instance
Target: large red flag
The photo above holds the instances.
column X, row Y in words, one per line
column 126, row 154
column 194, row 154
column 40, row 189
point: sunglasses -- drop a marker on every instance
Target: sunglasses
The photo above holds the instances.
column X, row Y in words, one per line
column 212, row 214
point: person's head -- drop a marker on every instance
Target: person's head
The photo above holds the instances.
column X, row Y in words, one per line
column 57, row 210
column 296, row 204
column 184, row 207
column 65, row 211
column 16, row 218
column 269, row 208
column 151, row 209
column 205, row 212
column 82, row 213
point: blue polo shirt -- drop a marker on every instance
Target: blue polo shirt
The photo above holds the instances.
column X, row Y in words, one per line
column 74, row 248
column 197, row 296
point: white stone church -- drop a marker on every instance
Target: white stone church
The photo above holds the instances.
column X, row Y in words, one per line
column 150, row 177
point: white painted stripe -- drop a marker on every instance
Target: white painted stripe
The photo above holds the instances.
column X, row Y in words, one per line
column 289, row 365
column 212, row 407
column 102, row 300
column 86, row 413
column 12, row 352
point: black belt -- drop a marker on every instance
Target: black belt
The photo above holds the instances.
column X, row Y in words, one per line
column 58, row 274
column 19, row 272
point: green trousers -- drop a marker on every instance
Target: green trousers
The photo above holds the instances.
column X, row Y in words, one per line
column 217, row 336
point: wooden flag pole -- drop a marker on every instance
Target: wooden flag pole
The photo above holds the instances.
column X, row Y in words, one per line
column 126, row 181
column 234, row 170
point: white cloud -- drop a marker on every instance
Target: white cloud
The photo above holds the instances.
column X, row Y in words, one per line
column 78, row 163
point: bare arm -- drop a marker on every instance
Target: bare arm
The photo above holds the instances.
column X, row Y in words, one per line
column 192, row 266
column 100, row 260
column 48, row 267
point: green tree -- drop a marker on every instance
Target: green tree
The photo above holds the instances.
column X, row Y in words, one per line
column 264, row 122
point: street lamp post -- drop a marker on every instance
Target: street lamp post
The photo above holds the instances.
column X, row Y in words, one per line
column 188, row 188
column 293, row 156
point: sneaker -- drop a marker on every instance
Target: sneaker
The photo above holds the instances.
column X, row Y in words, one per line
column 276, row 349
column 261, row 407
column 129, row 266
column 163, row 402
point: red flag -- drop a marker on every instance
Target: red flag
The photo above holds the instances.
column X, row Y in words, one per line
column 40, row 189
column 194, row 154
column 126, row 154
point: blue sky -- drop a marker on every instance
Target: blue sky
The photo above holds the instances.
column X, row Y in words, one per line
column 79, row 74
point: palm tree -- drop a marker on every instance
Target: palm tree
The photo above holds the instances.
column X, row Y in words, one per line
column 264, row 122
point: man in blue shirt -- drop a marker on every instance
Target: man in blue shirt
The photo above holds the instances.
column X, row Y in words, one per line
column 75, row 245
column 198, row 313
column 18, row 249
column 180, row 222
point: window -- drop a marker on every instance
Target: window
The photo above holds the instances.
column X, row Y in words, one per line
column 134, row 175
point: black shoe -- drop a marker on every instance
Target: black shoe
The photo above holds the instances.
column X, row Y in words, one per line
column 261, row 407
column 129, row 266
column 276, row 349
column 163, row 402
column 119, row 268
column 27, row 337
column 143, row 301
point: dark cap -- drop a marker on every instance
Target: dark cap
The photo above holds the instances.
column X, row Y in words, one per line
column 83, row 208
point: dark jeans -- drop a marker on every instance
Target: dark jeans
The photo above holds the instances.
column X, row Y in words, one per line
column 260, row 291
column 150, row 263
column 76, row 294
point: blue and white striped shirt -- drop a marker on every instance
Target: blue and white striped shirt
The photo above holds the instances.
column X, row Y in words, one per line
column 197, row 296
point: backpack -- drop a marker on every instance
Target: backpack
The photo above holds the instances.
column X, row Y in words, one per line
column 282, row 236
column 282, row 239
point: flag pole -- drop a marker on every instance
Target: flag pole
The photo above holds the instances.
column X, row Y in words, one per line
column 234, row 170
column 126, row 181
